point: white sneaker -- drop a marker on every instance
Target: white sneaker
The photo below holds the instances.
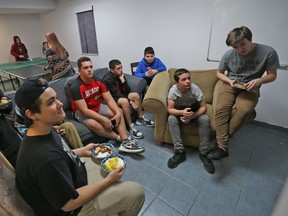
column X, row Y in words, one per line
column 130, row 146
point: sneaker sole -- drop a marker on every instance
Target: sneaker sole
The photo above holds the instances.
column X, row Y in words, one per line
column 149, row 125
column 144, row 125
column 135, row 137
column 131, row 151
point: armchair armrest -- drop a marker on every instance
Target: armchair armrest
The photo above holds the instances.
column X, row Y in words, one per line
column 155, row 101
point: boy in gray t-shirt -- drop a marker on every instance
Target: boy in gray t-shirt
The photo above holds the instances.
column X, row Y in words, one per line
column 241, row 69
column 184, row 88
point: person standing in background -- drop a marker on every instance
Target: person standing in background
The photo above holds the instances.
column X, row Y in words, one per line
column 18, row 50
column 44, row 47
column 58, row 58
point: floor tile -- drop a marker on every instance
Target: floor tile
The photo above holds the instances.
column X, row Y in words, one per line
column 225, row 190
column 205, row 206
column 151, row 178
column 258, row 196
column 160, row 208
column 178, row 195
column 149, row 197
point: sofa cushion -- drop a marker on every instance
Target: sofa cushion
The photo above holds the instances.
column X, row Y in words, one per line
column 67, row 85
column 58, row 86
column 100, row 72
column 205, row 83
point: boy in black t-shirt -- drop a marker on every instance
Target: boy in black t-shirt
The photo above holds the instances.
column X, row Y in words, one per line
column 51, row 177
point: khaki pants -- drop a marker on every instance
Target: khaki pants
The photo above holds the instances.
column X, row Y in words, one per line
column 71, row 135
column 245, row 102
column 120, row 198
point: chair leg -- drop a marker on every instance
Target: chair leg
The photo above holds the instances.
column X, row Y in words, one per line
column 2, row 83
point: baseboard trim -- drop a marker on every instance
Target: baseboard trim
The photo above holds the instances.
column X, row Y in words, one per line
column 264, row 124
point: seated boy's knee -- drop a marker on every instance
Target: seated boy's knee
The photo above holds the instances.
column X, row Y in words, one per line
column 204, row 120
column 93, row 125
column 245, row 110
column 123, row 102
column 134, row 96
column 172, row 119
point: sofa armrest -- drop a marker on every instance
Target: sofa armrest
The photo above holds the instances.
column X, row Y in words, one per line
column 155, row 101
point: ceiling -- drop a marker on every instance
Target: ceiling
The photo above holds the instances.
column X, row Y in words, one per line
column 26, row 6
column 22, row 11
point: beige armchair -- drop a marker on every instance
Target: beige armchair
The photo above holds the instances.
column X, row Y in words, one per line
column 155, row 101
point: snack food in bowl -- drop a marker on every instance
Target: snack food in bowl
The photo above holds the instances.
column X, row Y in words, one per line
column 239, row 85
column 103, row 150
column 4, row 103
column 4, row 100
column 113, row 162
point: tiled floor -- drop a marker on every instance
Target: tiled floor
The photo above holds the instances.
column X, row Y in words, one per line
column 247, row 183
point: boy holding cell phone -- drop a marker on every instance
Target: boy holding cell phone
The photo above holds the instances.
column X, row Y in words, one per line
column 87, row 92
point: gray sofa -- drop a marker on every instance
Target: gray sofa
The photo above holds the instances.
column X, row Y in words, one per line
column 61, row 86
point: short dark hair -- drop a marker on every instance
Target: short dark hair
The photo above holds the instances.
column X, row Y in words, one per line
column 82, row 59
column 238, row 34
column 179, row 72
column 43, row 43
column 149, row 50
column 113, row 63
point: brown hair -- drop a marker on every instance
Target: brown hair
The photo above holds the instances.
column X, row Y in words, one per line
column 54, row 44
column 238, row 34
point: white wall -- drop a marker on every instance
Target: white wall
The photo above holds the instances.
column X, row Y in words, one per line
column 26, row 27
column 178, row 31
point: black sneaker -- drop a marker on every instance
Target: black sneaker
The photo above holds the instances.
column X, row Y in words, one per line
column 135, row 133
column 218, row 154
column 208, row 163
column 130, row 146
column 144, row 122
column 176, row 159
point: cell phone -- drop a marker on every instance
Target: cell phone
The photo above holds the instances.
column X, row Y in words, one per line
column 113, row 121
